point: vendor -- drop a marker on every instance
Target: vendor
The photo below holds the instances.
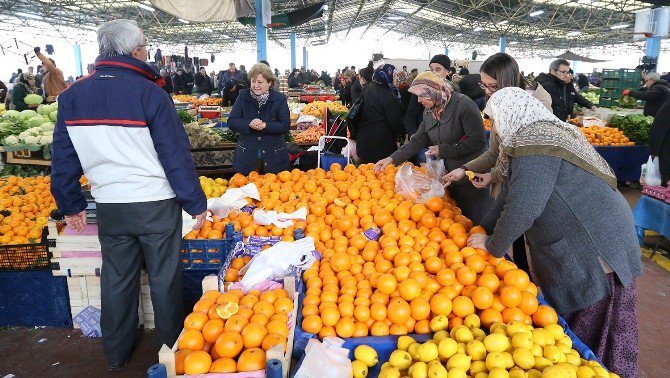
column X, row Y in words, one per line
column 454, row 130
column 25, row 85
column 655, row 92
column 562, row 194
column 261, row 117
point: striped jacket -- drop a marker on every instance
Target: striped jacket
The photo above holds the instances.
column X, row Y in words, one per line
column 121, row 130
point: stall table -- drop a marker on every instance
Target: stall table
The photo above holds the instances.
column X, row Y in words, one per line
column 626, row 161
column 652, row 214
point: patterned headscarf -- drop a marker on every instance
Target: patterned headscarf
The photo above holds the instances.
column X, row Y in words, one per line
column 526, row 127
column 432, row 86
column 384, row 76
column 24, row 81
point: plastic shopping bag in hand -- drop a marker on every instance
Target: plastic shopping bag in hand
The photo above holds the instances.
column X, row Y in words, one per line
column 275, row 261
column 325, row 359
column 653, row 176
column 435, row 167
column 415, row 185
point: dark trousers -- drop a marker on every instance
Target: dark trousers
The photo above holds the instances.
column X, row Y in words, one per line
column 130, row 234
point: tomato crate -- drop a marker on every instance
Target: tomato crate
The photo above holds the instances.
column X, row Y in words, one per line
column 26, row 256
column 204, row 254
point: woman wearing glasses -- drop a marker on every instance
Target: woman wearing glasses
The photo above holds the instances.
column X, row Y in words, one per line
column 453, row 128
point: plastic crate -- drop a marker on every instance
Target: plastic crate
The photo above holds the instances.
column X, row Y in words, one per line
column 607, row 102
column 204, row 254
column 610, row 93
column 610, row 74
column 26, row 256
column 610, row 83
column 34, row 298
column 633, row 74
column 192, row 286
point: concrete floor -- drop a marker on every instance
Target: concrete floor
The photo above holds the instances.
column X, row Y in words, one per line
column 66, row 353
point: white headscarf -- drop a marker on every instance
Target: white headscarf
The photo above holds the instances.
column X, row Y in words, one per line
column 527, row 127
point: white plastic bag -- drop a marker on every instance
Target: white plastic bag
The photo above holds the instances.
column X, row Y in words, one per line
column 653, row 176
column 435, row 168
column 275, row 261
column 281, row 220
column 233, row 199
column 350, row 149
column 415, row 185
column 325, row 359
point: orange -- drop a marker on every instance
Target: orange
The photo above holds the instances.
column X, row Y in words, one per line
column 466, row 276
column 346, row 308
column 251, row 360
column 489, row 281
column 398, row 311
column 327, row 331
column 420, row 308
column 253, row 335
column 517, row 278
column 265, row 308
column 229, row 344
column 417, row 211
column 235, row 323
column 191, row 339
column 361, row 313
column 456, row 229
column 461, row 240
column 197, row 363
column 462, row 306
column 440, row 304
column 345, row 327
column 195, row 320
column 179, row 357
column 312, row 324
column 482, row 298
column 510, row 296
column 278, row 326
column 503, row 266
column 263, row 319
column 273, row 339
column 212, row 330
column 249, row 300
column 490, row 316
column 203, row 305
column 446, row 277
column 223, row 365
column 528, row 303
column 422, row 326
column 378, row 311
column 340, row 261
column 379, row 329
column 330, row 316
column 409, row 289
column 211, row 295
column 435, row 204
column 544, row 315
column 386, row 283
column 434, row 265
column 360, row 329
column 268, row 296
column 513, row 314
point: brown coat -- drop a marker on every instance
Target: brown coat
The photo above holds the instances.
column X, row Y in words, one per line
column 54, row 81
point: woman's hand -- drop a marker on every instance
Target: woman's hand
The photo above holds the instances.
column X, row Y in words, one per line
column 477, row 241
column 481, row 180
column 455, row 175
column 433, row 151
column 383, row 163
column 51, row 98
column 257, row 124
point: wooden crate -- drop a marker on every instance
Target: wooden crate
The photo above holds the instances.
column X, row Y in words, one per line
column 85, row 291
column 166, row 354
column 27, row 157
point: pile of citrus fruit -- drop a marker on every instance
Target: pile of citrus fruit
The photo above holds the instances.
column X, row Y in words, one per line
column 28, row 202
column 605, row 136
column 213, row 188
column 230, row 332
column 316, row 108
column 512, row 350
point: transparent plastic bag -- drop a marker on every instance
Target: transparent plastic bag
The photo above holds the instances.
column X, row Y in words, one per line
column 435, row 168
column 653, row 176
column 415, row 185
column 325, row 359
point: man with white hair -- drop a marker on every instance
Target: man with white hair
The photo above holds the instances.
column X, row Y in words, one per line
column 655, row 92
column 118, row 127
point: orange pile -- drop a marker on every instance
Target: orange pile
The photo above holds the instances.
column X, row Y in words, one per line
column 29, row 202
column 605, row 136
column 251, row 325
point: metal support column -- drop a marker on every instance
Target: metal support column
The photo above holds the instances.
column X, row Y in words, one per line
column 293, row 52
column 261, row 33
column 305, row 59
column 77, row 60
column 446, row 51
column 503, row 43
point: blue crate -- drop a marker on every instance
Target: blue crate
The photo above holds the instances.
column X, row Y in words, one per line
column 191, row 281
column 204, row 254
column 34, row 298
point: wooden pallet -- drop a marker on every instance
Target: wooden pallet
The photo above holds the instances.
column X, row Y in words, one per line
column 166, row 355
column 26, row 157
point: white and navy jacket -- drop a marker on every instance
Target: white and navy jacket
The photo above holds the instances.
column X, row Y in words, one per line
column 121, row 130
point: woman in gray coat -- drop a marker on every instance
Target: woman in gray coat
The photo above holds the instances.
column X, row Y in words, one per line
column 453, row 128
column 561, row 193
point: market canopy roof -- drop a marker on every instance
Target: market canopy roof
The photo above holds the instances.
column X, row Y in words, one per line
column 569, row 55
column 533, row 24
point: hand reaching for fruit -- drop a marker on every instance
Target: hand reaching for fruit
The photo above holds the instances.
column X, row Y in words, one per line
column 477, row 241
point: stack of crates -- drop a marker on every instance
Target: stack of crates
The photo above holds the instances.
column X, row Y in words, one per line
column 613, row 82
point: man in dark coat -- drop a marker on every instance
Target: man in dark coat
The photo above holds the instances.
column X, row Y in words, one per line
column 555, row 83
column 655, row 94
column 179, row 82
column 190, row 81
column 168, row 82
column 659, row 140
column 203, row 85
column 470, row 86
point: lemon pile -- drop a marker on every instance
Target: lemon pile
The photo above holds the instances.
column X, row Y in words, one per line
column 213, row 188
column 512, row 350
column 365, row 357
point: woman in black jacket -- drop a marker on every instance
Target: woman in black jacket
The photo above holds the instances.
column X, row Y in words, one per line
column 659, row 140
column 379, row 122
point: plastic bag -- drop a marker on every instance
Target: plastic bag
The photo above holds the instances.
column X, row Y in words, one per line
column 276, row 261
column 415, row 185
column 435, row 168
column 350, row 149
column 281, row 220
column 653, row 176
column 233, row 199
column 325, row 359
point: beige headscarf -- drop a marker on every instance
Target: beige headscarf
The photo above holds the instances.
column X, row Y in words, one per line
column 430, row 85
column 526, row 127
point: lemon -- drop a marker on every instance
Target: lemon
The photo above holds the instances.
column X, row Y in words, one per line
column 447, row 348
column 522, row 340
column 509, row 360
column 572, row 359
column 495, row 360
column 385, row 365
column 540, row 338
column 227, row 309
column 536, row 350
column 472, row 321
column 533, row 373
column 476, row 350
column 459, row 361
column 498, row 373
column 478, row 367
column 427, row 352
column 457, row 373
column 553, row 354
column 523, row 358
column 413, row 349
column 496, row 342
column 479, row 334
column 495, row 326
column 440, row 335
column 600, row 371
column 360, row 369
column 461, row 348
column 418, row 370
column 462, row 334
column 404, row 342
column 569, row 370
column 437, row 371
column 391, row 372
column 517, row 372
column 554, row 372
column 439, row 323
column 565, row 341
column 366, row 354
column 585, row 372
column 541, row 363
column 433, row 362
column 482, row 375
column 400, row 359
column 555, row 330
column 517, row 327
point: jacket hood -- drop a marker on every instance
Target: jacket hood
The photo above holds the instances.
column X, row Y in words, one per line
column 131, row 64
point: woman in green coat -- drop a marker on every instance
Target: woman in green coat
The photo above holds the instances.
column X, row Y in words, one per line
column 24, row 87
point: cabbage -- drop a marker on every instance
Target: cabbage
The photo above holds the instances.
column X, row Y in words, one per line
column 36, row 121
column 11, row 140
column 48, row 126
column 11, row 114
column 33, row 99
column 41, row 109
column 31, row 139
column 52, row 115
column 28, row 114
column 46, row 139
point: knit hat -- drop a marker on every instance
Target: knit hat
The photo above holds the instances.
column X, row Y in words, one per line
column 442, row 60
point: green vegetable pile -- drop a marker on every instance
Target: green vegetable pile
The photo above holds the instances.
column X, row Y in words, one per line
column 634, row 126
column 592, row 95
column 228, row 136
column 185, row 116
column 627, row 102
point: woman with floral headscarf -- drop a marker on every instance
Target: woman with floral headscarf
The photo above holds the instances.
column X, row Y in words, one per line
column 560, row 193
column 379, row 122
column 24, row 86
column 453, row 128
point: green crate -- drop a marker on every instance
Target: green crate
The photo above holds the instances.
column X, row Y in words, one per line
column 610, row 74
column 607, row 102
column 610, row 93
column 629, row 74
column 610, row 83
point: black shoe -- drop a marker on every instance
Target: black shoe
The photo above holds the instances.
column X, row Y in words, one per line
column 116, row 366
